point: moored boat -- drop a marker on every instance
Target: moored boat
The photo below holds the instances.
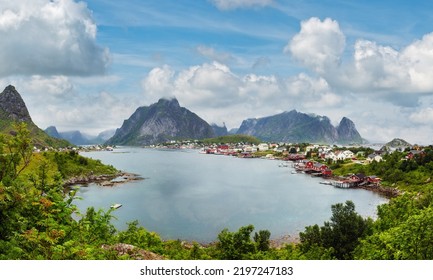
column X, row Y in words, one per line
column 115, row 206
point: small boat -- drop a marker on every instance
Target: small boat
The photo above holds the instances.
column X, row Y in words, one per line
column 115, row 206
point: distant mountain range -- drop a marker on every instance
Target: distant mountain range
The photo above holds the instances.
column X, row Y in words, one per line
column 166, row 120
column 297, row 127
column 13, row 110
column 161, row 122
column 78, row 138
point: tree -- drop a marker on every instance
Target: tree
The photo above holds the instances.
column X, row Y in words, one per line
column 15, row 153
column 341, row 233
column 235, row 245
column 411, row 239
column 262, row 240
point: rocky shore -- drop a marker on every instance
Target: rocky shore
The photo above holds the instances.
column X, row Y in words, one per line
column 103, row 180
column 388, row 192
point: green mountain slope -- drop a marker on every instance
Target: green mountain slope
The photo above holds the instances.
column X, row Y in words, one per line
column 13, row 110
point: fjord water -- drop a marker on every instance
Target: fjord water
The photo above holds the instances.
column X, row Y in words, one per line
column 191, row 196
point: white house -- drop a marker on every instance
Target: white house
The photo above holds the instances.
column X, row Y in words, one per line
column 263, row 147
column 374, row 157
column 339, row 155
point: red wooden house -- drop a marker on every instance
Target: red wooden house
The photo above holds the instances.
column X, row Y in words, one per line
column 358, row 178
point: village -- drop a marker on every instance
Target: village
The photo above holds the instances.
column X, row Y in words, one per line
column 301, row 158
column 319, row 160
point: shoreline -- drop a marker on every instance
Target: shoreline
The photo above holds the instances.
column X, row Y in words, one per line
column 105, row 180
column 388, row 192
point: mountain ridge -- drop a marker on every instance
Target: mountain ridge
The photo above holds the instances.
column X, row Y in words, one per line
column 160, row 122
column 76, row 137
column 294, row 126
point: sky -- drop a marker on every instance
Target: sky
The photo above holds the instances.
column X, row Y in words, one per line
column 88, row 65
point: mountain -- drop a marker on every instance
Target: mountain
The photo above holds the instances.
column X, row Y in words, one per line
column 233, row 131
column 161, row 122
column 78, row 138
column 398, row 143
column 219, row 130
column 52, row 131
column 105, row 135
column 13, row 110
column 299, row 127
column 347, row 132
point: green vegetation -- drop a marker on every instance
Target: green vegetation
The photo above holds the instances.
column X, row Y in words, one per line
column 38, row 219
column 232, row 139
column 39, row 138
column 71, row 164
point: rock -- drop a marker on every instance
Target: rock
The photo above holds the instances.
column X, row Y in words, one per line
column 133, row 251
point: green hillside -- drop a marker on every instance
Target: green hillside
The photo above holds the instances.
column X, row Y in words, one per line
column 13, row 113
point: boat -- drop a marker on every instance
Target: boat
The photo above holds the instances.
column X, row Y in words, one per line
column 115, row 206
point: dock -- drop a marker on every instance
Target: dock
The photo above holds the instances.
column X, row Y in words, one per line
column 340, row 184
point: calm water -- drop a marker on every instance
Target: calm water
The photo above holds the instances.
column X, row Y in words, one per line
column 193, row 196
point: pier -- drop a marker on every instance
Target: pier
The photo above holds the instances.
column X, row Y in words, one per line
column 340, row 184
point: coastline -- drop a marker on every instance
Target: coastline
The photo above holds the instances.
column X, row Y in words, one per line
column 105, row 180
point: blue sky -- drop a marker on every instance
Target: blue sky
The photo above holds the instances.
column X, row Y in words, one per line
column 88, row 65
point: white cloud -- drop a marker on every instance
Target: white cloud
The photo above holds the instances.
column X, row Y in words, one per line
column 419, row 55
column 318, row 45
column 235, row 4
column 69, row 104
column 158, row 83
column 424, row 116
column 215, row 93
column 373, row 69
column 50, row 86
column 43, row 37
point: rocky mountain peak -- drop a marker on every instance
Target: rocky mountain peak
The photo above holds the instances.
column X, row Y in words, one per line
column 13, row 106
column 161, row 122
column 299, row 127
column 169, row 102
column 347, row 132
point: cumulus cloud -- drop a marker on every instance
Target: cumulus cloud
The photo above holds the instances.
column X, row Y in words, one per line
column 159, row 83
column 419, row 57
column 235, row 4
column 218, row 95
column 373, row 68
column 43, row 37
column 318, row 45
